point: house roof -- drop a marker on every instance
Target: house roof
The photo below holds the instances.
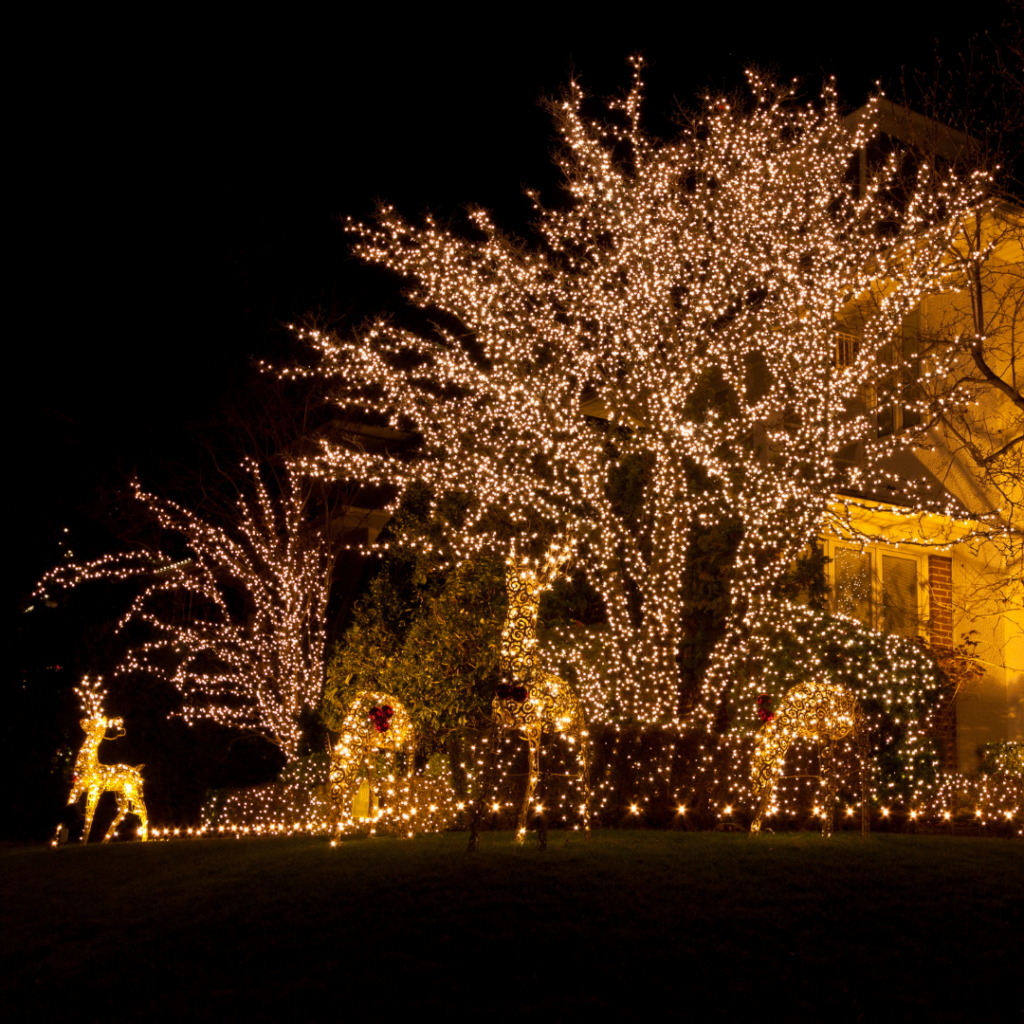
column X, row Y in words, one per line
column 912, row 128
column 909, row 484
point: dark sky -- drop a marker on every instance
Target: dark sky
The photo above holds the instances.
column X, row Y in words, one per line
column 181, row 178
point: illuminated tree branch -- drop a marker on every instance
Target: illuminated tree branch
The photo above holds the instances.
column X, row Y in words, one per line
column 680, row 313
column 250, row 653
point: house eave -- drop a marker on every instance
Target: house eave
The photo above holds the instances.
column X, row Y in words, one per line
column 858, row 519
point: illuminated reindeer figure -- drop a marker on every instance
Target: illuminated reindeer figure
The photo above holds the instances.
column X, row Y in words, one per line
column 528, row 698
column 821, row 711
column 375, row 721
column 95, row 779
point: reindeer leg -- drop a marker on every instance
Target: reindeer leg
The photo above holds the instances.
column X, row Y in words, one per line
column 769, row 774
column 768, row 761
column 122, row 810
column 863, row 745
column 826, row 758
column 372, row 790
column 585, row 765
column 341, row 797
column 336, row 782
column 486, row 782
column 139, row 806
column 542, row 826
column 350, row 789
column 91, row 800
column 762, row 807
column 334, row 810
column 533, row 739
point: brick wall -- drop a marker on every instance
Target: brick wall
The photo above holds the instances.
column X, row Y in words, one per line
column 940, row 584
column 940, row 626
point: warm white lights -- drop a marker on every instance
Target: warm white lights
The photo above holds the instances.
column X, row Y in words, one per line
column 680, row 315
column 684, row 345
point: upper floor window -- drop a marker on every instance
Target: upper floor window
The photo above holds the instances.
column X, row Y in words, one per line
column 892, row 393
column 847, row 349
column 899, row 389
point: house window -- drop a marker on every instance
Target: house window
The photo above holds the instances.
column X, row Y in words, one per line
column 899, row 389
column 848, row 344
column 899, row 595
column 853, row 584
column 847, row 349
column 882, row 586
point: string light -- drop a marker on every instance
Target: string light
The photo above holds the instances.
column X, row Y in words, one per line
column 677, row 320
column 681, row 312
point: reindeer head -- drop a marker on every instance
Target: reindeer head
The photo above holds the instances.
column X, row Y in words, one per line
column 90, row 695
column 101, row 724
column 539, row 575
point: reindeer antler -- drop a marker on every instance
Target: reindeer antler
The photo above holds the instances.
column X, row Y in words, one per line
column 552, row 565
column 557, row 558
column 90, row 696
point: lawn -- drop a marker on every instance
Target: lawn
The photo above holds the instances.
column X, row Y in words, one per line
column 716, row 925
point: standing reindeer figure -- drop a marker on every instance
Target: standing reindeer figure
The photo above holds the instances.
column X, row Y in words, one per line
column 821, row 711
column 95, row 779
column 529, row 698
column 375, row 721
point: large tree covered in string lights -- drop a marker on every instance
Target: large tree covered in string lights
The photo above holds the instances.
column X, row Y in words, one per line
column 235, row 621
column 661, row 354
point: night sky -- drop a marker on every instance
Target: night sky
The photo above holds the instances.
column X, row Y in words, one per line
column 180, row 183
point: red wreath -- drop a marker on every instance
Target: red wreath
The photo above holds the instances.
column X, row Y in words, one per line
column 764, row 708
column 381, row 717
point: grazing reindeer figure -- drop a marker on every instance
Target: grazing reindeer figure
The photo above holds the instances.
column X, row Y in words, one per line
column 528, row 698
column 821, row 711
column 375, row 721
column 95, row 779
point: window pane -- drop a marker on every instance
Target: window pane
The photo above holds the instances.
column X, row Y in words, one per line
column 853, row 584
column 758, row 379
column 899, row 595
column 911, row 368
column 847, row 349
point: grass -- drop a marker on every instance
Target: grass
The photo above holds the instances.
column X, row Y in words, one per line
column 635, row 922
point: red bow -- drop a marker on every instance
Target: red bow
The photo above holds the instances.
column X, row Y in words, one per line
column 764, row 708
column 381, row 717
column 513, row 691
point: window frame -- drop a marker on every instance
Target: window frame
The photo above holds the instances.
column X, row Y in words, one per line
column 878, row 549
